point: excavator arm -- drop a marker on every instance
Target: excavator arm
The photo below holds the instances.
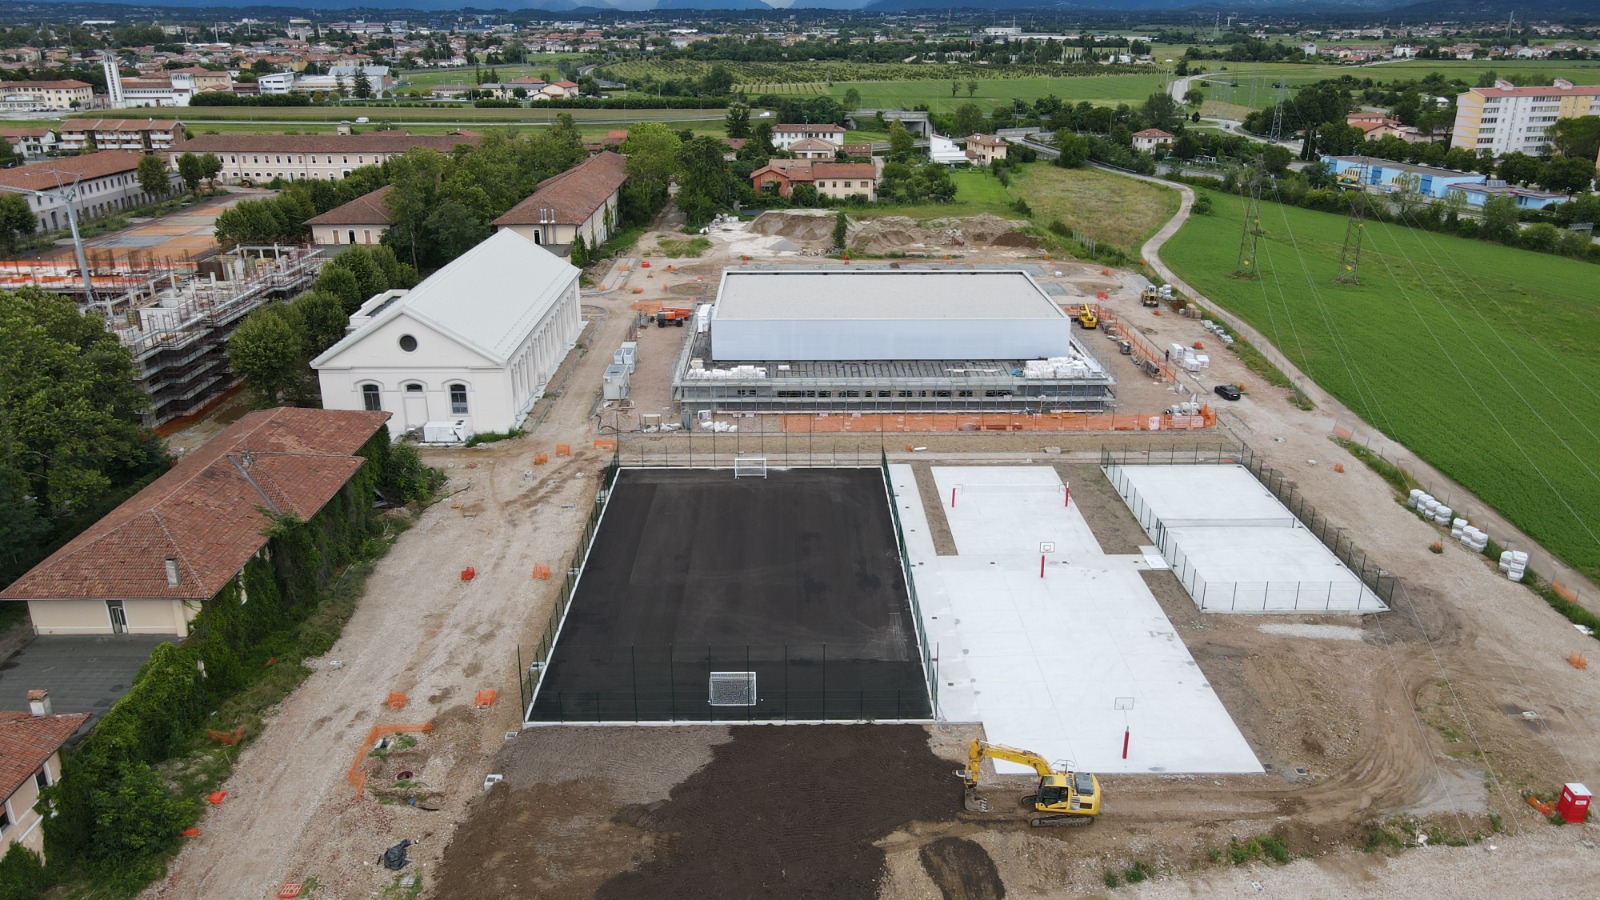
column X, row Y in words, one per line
column 980, row 749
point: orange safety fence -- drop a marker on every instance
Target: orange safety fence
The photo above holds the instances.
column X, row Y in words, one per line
column 1578, row 661
column 1343, row 433
column 358, row 778
column 485, row 698
column 226, row 738
column 1564, row 592
column 563, row 449
column 605, row 444
column 541, row 572
column 540, row 459
column 911, row 422
column 396, row 700
column 469, row 573
column 1545, row 809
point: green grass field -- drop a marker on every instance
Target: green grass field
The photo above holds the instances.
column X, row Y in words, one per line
column 1097, row 89
column 541, row 65
column 1480, row 358
column 423, row 115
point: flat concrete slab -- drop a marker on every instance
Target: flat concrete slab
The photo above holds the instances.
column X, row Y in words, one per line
column 1065, row 665
column 84, row 673
column 1234, row 546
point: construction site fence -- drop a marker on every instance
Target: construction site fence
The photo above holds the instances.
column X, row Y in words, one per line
column 1263, row 596
column 1462, row 503
column 800, row 682
column 1382, row 585
column 869, row 423
column 929, row 663
column 530, row 669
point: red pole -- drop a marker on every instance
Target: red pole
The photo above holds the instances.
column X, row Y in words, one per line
column 952, row 498
column 1041, row 565
column 1066, row 495
column 1125, row 735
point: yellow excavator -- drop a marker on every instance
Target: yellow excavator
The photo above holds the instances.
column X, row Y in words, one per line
column 1063, row 797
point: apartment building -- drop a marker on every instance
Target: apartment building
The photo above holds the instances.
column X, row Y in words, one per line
column 141, row 135
column 1509, row 119
column 39, row 95
column 104, row 182
column 259, row 158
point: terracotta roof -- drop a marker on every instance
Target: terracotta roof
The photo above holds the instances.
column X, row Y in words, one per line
column 374, row 142
column 813, row 144
column 43, row 85
column 1153, row 133
column 57, row 172
column 367, row 209
column 791, row 172
column 209, row 511
column 844, row 170
column 574, row 195
column 27, row 741
column 23, row 132
column 818, row 128
column 566, row 84
column 985, row 140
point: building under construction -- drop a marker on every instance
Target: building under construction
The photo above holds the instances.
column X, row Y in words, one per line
column 176, row 318
column 881, row 340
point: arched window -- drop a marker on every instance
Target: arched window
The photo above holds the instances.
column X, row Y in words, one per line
column 458, row 399
column 371, row 400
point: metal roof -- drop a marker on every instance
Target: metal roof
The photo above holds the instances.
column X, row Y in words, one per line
column 856, row 294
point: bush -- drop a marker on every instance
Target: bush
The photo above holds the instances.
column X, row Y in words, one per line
column 22, row 874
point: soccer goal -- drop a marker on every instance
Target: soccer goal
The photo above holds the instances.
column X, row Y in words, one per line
column 750, row 467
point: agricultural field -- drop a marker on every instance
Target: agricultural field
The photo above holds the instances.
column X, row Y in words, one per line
column 405, row 116
column 1106, row 90
column 803, row 88
column 1478, row 357
column 542, row 65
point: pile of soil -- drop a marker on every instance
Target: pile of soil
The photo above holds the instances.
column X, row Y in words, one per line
column 892, row 234
column 791, row 812
column 1016, row 239
column 805, row 226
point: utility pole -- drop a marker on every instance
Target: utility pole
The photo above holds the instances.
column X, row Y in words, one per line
column 1350, row 257
column 69, row 194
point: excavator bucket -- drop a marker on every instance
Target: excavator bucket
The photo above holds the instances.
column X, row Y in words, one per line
column 974, row 803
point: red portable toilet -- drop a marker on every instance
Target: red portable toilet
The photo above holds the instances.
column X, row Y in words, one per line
column 1574, row 805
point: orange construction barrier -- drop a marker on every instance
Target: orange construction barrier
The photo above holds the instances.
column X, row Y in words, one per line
column 1339, row 467
column 645, row 264
column 604, row 444
column 190, row 832
column 980, row 422
column 541, row 458
column 215, row 798
column 541, row 572
column 358, row 778
column 469, row 573
column 226, row 738
column 290, row 890
column 1577, row 661
column 396, row 700
column 485, row 698
column 1564, row 592
column 563, row 449
column 1545, row 809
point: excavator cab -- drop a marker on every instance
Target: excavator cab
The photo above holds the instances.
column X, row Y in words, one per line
column 1064, row 797
column 1069, row 793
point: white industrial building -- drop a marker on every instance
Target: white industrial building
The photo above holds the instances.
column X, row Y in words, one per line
column 863, row 339
column 474, row 345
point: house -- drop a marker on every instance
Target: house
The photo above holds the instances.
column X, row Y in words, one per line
column 560, row 90
column 944, row 151
column 296, row 157
column 30, row 143
column 23, row 96
column 814, row 148
column 785, row 135
column 582, row 201
column 30, row 761
column 858, row 151
column 150, row 565
column 361, row 221
column 984, row 149
column 477, row 342
column 1388, row 176
column 101, row 182
column 142, row 135
column 835, row 180
column 1151, row 138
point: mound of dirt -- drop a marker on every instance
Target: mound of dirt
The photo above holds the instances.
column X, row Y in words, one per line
column 962, row 869
column 1017, row 239
column 796, row 225
column 891, row 234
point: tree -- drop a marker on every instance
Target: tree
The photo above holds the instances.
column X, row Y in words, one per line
column 852, row 99
column 1194, row 96
column 1500, row 218
column 362, row 85
column 954, row 87
column 1074, row 149
column 718, row 81
column 579, row 254
column 841, row 229
column 1576, row 138
column 189, row 169
column 323, row 315
column 1161, row 111
column 969, row 119
column 341, row 87
column 706, row 185
column 901, row 144
column 1186, row 147
column 22, row 874
column 210, row 168
column 1567, row 175
column 1276, row 158
column 1520, row 168
column 17, row 221
column 135, row 816
column 737, row 122
column 972, row 88
column 268, row 350
column 153, row 177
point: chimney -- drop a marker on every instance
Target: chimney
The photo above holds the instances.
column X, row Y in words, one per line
column 172, row 572
column 39, row 703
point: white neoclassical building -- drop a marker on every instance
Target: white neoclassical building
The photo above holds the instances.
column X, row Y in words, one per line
column 477, row 342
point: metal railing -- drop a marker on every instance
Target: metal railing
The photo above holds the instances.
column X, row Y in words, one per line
column 930, row 662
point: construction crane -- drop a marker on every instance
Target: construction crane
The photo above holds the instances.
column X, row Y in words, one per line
column 69, row 196
column 1064, row 797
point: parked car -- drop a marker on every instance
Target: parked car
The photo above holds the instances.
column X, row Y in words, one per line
column 1228, row 392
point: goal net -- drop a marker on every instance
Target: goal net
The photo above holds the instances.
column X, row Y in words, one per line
column 750, row 467
column 733, row 689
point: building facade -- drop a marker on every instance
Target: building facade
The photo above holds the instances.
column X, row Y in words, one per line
column 23, row 96
column 30, row 143
column 139, row 135
column 1388, row 176
column 258, row 158
column 580, row 202
column 363, row 220
column 985, row 149
column 104, row 182
column 475, row 343
column 1151, row 138
column 785, row 136
column 1509, row 119
column 30, row 762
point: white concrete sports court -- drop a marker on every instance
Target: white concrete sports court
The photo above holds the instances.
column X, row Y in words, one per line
column 1065, row 665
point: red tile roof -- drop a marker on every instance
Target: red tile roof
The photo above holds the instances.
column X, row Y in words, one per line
column 844, row 170
column 209, row 511
column 373, row 142
column 69, row 84
column 1153, row 133
column 54, row 173
column 820, row 129
column 985, row 140
column 79, row 126
column 574, row 195
column 367, row 209
column 27, row 741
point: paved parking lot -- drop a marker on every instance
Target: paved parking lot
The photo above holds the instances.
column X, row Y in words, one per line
column 82, row 674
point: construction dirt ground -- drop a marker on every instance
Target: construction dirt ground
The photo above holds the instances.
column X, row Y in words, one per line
column 1400, row 746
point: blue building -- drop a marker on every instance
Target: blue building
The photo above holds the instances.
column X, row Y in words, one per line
column 1478, row 194
column 1379, row 175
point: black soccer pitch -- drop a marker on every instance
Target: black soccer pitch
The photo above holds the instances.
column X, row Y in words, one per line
column 795, row 577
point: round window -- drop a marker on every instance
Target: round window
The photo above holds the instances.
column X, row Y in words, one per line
column 408, row 343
